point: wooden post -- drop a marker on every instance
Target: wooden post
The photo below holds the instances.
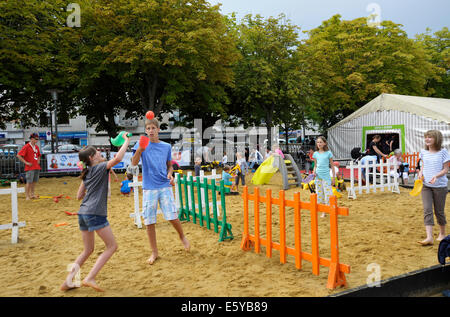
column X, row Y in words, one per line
column 225, row 226
column 282, row 227
column 192, row 199
column 245, row 242
column 137, row 209
column 15, row 214
column 208, row 219
column 256, row 208
column 186, row 198
column 200, row 202
column 335, row 276
column 214, row 205
column 314, row 235
column 382, row 167
column 15, row 224
column 177, row 192
column 180, row 197
column 374, row 176
column 269, row 223
column 389, row 176
column 297, row 229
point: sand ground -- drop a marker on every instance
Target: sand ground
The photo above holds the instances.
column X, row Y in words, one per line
column 381, row 228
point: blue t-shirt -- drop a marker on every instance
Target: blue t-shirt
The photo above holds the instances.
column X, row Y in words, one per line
column 433, row 163
column 323, row 165
column 125, row 188
column 154, row 165
column 226, row 177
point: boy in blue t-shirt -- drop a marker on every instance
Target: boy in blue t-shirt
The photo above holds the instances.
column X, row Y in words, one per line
column 157, row 178
column 125, row 185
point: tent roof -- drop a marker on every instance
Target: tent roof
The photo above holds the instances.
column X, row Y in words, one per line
column 434, row 108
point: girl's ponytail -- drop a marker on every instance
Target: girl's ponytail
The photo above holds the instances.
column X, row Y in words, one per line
column 84, row 157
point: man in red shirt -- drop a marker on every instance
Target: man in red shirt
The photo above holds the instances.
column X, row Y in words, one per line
column 30, row 156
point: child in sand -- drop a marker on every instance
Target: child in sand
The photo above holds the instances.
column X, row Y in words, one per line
column 92, row 216
column 157, row 177
column 198, row 166
column 323, row 159
column 433, row 172
column 125, row 188
column 228, row 179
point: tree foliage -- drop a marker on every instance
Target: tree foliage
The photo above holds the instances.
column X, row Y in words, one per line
column 350, row 63
column 35, row 46
column 437, row 46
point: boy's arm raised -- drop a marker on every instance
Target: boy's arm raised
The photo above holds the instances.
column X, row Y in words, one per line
column 143, row 143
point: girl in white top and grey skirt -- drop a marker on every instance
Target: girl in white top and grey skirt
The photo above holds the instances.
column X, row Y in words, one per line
column 434, row 192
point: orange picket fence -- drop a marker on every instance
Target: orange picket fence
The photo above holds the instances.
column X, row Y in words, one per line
column 411, row 159
column 336, row 275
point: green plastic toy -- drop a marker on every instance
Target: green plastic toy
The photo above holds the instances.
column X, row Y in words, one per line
column 119, row 140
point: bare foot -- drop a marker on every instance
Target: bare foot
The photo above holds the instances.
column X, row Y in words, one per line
column 426, row 242
column 92, row 284
column 187, row 245
column 152, row 258
column 440, row 238
column 65, row 287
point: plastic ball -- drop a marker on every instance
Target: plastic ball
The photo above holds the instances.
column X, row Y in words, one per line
column 149, row 115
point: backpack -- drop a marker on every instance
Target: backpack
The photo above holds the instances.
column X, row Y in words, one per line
column 444, row 250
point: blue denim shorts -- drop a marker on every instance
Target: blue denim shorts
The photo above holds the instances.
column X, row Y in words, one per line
column 92, row 222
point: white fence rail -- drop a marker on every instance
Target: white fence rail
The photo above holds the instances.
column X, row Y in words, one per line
column 15, row 224
column 376, row 176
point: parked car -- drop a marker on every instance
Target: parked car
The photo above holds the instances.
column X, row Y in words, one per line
column 46, row 149
column 9, row 149
column 63, row 148
column 68, row 148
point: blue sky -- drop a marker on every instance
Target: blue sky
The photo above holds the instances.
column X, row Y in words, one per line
column 414, row 15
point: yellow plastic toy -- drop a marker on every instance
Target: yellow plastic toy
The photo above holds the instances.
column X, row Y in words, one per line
column 418, row 185
column 178, row 171
column 311, row 186
column 336, row 193
column 235, row 170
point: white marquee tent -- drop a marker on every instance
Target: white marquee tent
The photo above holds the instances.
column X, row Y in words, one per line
column 408, row 116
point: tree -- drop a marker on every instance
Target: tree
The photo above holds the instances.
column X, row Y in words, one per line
column 267, row 79
column 35, row 57
column 438, row 49
column 164, row 49
column 350, row 63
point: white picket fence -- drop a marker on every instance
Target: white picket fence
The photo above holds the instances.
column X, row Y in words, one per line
column 137, row 214
column 380, row 178
column 15, row 225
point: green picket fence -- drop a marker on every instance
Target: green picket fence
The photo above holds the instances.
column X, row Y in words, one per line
column 203, row 216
